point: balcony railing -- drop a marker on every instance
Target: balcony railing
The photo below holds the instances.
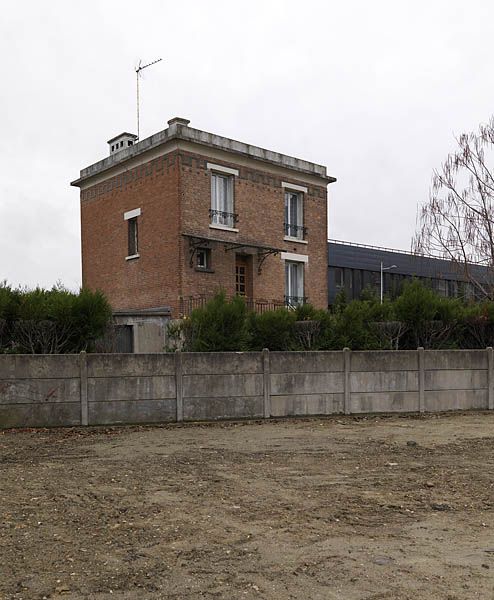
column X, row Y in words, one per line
column 295, row 231
column 294, row 301
column 220, row 217
column 189, row 303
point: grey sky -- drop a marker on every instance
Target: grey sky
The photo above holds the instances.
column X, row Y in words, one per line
column 375, row 91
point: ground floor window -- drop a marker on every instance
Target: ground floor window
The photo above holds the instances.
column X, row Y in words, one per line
column 294, row 283
column 203, row 259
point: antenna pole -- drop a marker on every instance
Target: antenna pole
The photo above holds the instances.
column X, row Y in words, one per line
column 139, row 68
column 137, row 77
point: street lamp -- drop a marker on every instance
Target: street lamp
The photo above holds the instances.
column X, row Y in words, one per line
column 385, row 269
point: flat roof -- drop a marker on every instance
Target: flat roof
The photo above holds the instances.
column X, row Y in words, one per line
column 368, row 258
column 177, row 130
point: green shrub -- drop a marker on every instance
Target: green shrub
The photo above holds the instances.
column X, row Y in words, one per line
column 9, row 301
column 42, row 321
column 477, row 326
column 220, row 326
column 273, row 330
column 90, row 315
column 432, row 321
column 353, row 327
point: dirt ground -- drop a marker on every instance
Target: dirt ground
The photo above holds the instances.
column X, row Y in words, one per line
column 347, row 508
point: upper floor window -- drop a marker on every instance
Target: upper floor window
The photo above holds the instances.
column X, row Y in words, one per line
column 133, row 245
column 222, row 203
column 131, row 217
column 294, row 215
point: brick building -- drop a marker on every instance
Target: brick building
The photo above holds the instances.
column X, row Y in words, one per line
column 168, row 221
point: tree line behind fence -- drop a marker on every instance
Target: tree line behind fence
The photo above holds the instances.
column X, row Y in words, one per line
column 58, row 321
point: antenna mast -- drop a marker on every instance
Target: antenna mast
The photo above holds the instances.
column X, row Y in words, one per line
column 139, row 68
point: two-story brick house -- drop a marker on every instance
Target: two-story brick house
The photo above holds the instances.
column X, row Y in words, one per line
column 169, row 220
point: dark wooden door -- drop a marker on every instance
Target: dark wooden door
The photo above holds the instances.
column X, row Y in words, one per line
column 243, row 276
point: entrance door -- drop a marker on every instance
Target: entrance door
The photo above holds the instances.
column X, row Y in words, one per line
column 243, row 275
column 124, row 338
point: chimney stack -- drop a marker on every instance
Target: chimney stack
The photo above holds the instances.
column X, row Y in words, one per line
column 122, row 141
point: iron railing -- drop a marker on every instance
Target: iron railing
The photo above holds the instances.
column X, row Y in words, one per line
column 189, row 303
column 220, row 217
column 295, row 231
column 294, row 301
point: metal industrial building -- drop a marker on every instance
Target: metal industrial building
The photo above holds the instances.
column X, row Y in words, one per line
column 355, row 267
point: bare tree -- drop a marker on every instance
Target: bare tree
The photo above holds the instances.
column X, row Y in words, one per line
column 390, row 333
column 306, row 333
column 42, row 337
column 457, row 223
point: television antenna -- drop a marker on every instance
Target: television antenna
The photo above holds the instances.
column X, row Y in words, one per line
column 140, row 67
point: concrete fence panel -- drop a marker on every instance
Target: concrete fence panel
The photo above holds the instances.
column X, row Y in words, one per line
column 39, row 391
column 387, row 360
column 306, row 383
column 130, row 365
column 54, row 390
column 217, row 363
column 456, row 380
column 385, row 381
column 130, row 388
column 39, row 366
column 222, row 385
column 306, row 362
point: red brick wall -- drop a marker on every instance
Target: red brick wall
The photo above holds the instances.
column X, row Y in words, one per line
column 163, row 273
column 259, row 201
column 153, row 279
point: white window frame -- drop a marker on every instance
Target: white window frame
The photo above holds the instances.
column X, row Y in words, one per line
column 294, row 282
column 223, row 205
column 222, row 169
column 131, row 214
column 294, row 187
column 207, row 259
column 294, row 197
column 135, row 236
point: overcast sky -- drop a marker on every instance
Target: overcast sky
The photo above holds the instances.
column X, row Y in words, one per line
column 376, row 91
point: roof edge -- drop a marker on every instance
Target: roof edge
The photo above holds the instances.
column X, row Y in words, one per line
column 206, row 139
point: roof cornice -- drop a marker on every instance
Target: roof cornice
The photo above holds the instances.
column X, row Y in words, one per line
column 178, row 131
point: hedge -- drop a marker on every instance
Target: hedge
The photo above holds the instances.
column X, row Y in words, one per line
column 419, row 317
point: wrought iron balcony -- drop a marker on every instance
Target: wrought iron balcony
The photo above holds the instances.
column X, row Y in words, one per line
column 294, row 301
column 220, row 217
column 295, row 231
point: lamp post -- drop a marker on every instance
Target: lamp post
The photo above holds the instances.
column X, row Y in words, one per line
column 385, row 269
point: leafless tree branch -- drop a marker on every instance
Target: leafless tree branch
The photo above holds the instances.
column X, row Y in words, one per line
column 457, row 222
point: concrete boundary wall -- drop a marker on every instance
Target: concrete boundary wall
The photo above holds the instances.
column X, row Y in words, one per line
column 97, row 389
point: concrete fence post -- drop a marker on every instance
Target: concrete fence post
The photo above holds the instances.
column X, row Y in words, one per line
column 83, row 387
column 347, row 359
column 179, row 386
column 266, row 373
column 490, row 378
column 421, row 365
